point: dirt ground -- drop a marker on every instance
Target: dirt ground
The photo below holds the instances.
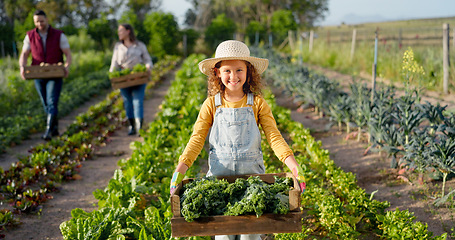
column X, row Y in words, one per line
column 372, row 171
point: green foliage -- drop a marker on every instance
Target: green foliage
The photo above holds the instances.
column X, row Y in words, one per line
column 164, row 33
column 211, row 196
column 253, row 28
column 138, row 188
column 22, row 112
column 361, row 110
column 7, row 219
column 220, row 29
column 69, row 30
column 131, row 18
column 399, row 225
column 20, row 29
column 136, row 69
column 102, row 31
column 109, row 223
column 81, row 41
column 282, row 22
column 139, row 68
column 7, row 37
column 340, row 209
column 191, row 38
column 407, row 115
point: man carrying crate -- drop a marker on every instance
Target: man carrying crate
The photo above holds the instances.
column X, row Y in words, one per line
column 47, row 46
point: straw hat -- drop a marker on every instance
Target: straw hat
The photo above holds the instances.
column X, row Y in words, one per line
column 232, row 50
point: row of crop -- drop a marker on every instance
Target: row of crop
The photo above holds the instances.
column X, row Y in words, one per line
column 27, row 183
column 135, row 204
column 22, row 113
column 335, row 205
column 417, row 136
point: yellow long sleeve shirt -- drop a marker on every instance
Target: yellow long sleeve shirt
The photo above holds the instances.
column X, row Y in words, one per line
column 262, row 113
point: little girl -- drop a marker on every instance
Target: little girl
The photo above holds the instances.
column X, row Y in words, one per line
column 232, row 113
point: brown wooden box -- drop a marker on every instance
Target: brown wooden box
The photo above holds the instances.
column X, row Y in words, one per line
column 129, row 80
column 37, row 72
column 234, row 225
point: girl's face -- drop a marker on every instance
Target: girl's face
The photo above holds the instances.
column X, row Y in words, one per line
column 233, row 75
column 123, row 34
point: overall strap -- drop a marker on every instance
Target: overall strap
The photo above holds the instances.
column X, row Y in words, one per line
column 217, row 100
column 250, row 100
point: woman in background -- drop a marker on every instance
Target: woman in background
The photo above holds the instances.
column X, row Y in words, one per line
column 128, row 52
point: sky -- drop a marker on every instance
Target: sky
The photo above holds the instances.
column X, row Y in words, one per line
column 357, row 11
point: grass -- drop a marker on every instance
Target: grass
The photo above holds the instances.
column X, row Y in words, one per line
column 332, row 49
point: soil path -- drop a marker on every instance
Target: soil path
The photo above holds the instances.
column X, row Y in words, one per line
column 95, row 174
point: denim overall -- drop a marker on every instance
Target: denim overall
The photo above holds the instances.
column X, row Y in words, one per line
column 235, row 147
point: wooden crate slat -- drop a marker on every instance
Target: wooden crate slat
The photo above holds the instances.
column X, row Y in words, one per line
column 129, row 80
column 51, row 71
column 234, row 225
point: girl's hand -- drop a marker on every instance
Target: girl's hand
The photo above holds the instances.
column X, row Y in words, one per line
column 176, row 180
column 297, row 171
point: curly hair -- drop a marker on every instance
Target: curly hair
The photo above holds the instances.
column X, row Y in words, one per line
column 253, row 82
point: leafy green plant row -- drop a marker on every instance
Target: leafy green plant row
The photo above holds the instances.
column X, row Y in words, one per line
column 30, row 117
column 28, row 181
column 335, row 206
column 22, row 113
column 135, row 203
column 16, row 92
column 26, row 184
column 418, row 136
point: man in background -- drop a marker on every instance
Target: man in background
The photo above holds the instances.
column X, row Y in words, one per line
column 47, row 45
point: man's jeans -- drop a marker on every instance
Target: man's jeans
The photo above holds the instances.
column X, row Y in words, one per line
column 49, row 92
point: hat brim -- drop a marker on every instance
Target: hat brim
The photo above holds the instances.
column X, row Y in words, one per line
column 260, row 64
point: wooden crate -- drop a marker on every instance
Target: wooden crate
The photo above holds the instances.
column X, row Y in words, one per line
column 38, row 72
column 130, row 80
column 234, row 225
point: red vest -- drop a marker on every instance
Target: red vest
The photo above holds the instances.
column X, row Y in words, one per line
column 53, row 52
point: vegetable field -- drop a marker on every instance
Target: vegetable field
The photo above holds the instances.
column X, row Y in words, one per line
column 135, row 202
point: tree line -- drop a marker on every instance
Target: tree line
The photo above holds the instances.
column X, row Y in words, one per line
column 214, row 20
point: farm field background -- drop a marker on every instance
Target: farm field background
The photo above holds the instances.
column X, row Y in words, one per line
column 332, row 48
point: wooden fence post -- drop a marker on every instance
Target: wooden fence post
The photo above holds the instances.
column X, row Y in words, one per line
column 446, row 56
column 185, row 47
column 311, row 40
column 328, row 37
column 291, row 40
column 256, row 39
column 375, row 63
column 3, row 49
column 354, row 34
column 270, row 41
column 300, row 41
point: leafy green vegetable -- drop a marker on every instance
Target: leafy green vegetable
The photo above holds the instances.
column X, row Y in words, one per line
column 139, row 68
column 204, row 197
column 210, row 196
column 136, row 69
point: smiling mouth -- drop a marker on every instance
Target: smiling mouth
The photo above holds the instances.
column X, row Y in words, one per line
column 234, row 82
